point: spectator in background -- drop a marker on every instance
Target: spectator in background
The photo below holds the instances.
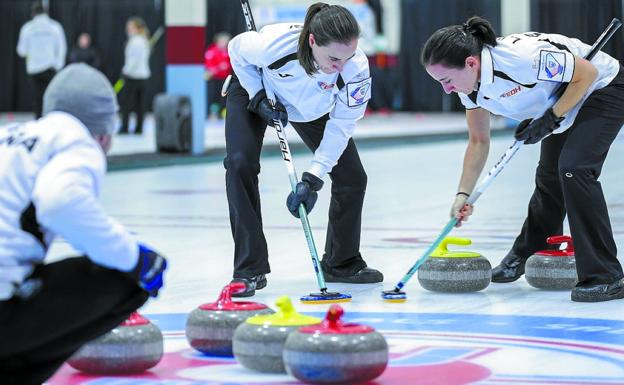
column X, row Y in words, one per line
column 83, row 52
column 135, row 72
column 218, row 67
column 42, row 42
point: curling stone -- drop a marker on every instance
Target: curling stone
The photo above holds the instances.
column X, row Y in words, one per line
column 132, row 347
column 335, row 352
column 210, row 327
column 553, row 269
column 455, row 271
column 259, row 342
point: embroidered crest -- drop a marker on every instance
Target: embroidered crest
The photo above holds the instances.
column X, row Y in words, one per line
column 358, row 93
column 552, row 66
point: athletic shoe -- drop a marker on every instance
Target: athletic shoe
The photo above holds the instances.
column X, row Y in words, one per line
column 251, row 285
column 599, row 293
column 364, row 275
column 510, row 269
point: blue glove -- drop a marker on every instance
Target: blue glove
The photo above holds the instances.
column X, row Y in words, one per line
column 260, row 105
column 149, row 270
column 533, row 130
column 305, row 192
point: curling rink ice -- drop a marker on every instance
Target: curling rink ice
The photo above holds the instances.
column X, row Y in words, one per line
column 507, row 334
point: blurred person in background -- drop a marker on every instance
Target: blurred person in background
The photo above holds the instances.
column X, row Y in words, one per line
column 42, row 42
column 217, row 68
column 83, row 52
column 135, row 73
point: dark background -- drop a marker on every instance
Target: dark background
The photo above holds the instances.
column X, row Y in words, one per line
column 410, row 86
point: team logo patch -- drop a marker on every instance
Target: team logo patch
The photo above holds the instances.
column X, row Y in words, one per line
column 358, row 93
column 552, row 66
column 326, row 86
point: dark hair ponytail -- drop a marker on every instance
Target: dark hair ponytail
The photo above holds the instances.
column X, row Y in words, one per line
column 329, row 24
column 453, row 44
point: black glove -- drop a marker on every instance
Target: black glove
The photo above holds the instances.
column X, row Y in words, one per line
column 305, row 192
column 149, row 270
column 533, row 130
column 260, row 105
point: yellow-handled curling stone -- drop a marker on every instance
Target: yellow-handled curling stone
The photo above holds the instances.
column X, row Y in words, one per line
column 455, row 271
column 258, row 343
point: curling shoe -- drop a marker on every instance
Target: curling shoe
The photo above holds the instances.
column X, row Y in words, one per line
column 510, row 269
column 251, row 285
column 364, row 275
column 599, row 293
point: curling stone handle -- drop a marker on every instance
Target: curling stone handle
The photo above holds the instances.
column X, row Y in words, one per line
column 225, row 297
column 560, row 239
column 442, row 248
column 333, row 317
column 135, row 319
column 284, row 306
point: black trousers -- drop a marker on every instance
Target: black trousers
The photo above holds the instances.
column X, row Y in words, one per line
column 131, row 99
column 566, row 181
column 40, row 83
column 244, row 132
column 77, row 302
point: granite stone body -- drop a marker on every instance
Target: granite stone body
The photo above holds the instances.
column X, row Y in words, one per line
column 211, row 331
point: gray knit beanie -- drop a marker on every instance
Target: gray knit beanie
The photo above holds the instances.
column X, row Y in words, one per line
column 84, row 92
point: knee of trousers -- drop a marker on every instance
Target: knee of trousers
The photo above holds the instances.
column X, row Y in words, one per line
column 547, row 172
column 573, row 174
column 356, row 184
column 239, row 163
column 545, row 176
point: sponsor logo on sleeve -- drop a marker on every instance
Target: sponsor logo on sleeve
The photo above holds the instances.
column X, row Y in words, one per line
column 511, row 92
column 552, row 66
column 358, row 93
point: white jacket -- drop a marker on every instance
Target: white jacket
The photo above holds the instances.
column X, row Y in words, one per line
column 305, row 97
column 54, row 166
column 137, row 54
column 520, row 75
column 42, row 42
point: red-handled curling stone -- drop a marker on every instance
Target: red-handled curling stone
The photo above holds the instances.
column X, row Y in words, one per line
column 335, row 352
column 132, row 347
column 553, row 269
column 210, row 327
